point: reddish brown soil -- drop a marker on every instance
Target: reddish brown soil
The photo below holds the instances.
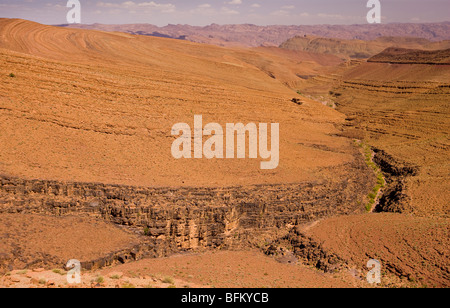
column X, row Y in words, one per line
column 90, row 106
column 415, row 249
column 237, row 269
column 99, row 107
column 57, row 278
column 402, row 110
column 223, row 269
column 32, row 241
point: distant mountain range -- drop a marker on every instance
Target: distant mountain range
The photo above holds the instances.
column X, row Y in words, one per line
column 254, row 36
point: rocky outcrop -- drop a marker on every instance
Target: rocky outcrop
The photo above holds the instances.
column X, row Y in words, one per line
column 394, row 199
column 193, row 218
column 305, row 249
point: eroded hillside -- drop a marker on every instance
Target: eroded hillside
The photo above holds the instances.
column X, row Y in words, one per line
column 86, row 122
column 85, row 134
column 401, row 110
column 103, row 105
column 358, row 49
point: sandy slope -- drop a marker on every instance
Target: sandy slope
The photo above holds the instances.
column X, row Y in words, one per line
column 225, row 269
column 408, row 110
column 402, row 110
column 102, row 105
column 44, row 241
column 414, row 248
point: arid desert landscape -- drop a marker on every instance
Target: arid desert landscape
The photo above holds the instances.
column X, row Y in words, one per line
column 86, row 170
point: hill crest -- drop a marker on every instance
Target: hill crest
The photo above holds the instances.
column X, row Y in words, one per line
column 412, row 56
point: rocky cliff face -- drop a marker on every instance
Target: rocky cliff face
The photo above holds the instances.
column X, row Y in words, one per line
column 176, row 219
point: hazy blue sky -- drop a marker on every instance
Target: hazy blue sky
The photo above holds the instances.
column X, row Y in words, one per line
column 203, row 12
